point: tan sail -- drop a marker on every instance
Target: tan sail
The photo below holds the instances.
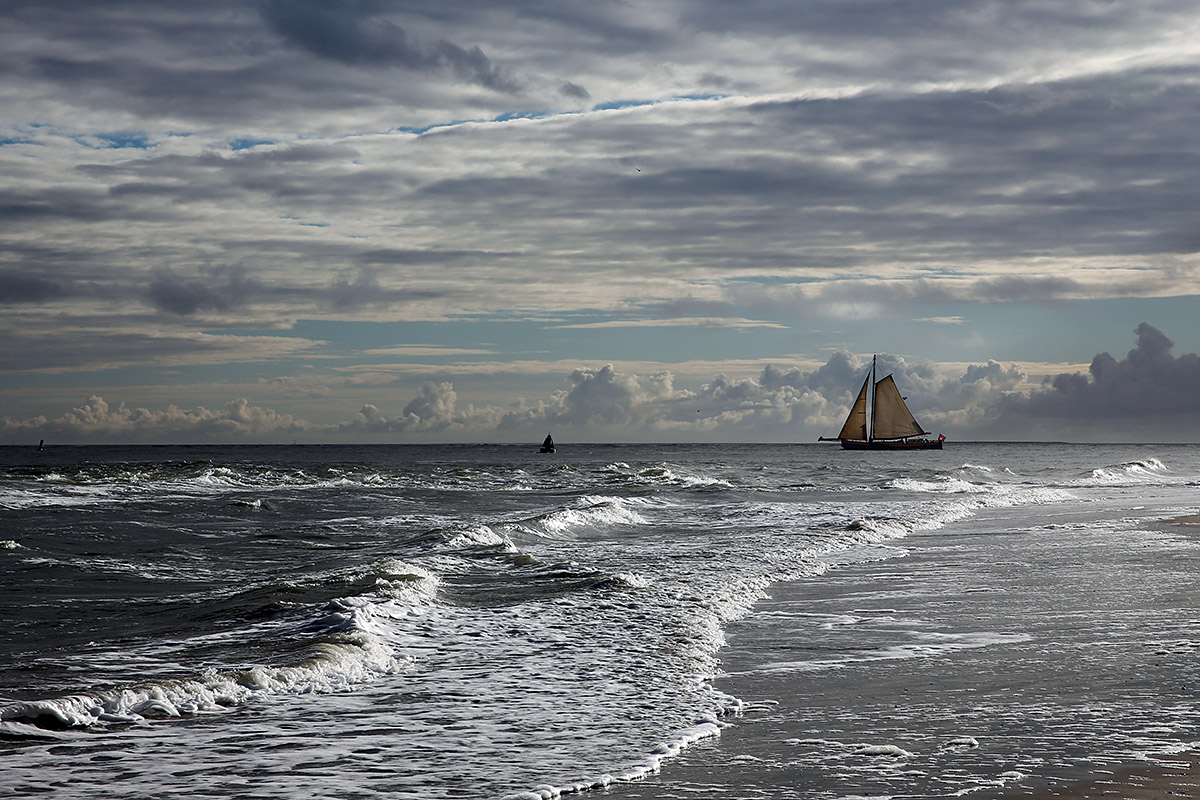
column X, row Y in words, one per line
column 892, row 420
column 856, row 423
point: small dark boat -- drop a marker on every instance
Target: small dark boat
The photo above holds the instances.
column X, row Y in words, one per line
column 880, row 420
column 548, row 445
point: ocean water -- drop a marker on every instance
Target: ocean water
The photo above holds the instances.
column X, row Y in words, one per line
column 634, row 620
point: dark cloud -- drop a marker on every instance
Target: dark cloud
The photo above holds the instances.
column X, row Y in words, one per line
column 935, row 36
column 839, row 377
column 1149, row 382
column 223, row 290
column 161, row 186
column 1015, row 289
column 411, row 257
column 228, row 60
column 227, row 289
column 294, row 154
column 56, row 203
column 362, row 290
column 358, row 32
column 18, row 288
column 574, row 90
column 31, row 348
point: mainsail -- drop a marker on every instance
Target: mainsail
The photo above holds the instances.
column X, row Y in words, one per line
column 892, row 419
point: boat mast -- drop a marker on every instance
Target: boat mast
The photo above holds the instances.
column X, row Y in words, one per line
column 871, row 405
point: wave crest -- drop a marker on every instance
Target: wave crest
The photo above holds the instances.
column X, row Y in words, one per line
column 1145, row 469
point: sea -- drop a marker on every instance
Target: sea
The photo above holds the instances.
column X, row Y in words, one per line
column 611, row 620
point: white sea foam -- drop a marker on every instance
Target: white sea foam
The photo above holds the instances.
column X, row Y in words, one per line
column 647, row 765
column 964, row 742
column 879, row 529
column 1145, row 470
column 926, row 645
column 475, row 536
column 663, row 474
column 220, row 476
column 591, row 511
column 633, row 580
column 58, row 497
column 881, row 750
column 945, row 485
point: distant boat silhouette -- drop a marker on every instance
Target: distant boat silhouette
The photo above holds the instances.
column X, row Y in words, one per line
column 548, row 445
column 42, row 444
column 880, row 420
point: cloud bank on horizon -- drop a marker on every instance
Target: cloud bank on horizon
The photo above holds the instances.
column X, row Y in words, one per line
column 1148, row 395
column 398, row 221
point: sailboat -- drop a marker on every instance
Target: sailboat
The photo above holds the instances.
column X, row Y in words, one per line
column 547, row 445
column 880, row 420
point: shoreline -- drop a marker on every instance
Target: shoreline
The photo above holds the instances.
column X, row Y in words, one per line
column 944, row 672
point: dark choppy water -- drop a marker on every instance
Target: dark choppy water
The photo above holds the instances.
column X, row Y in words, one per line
column 485, row 621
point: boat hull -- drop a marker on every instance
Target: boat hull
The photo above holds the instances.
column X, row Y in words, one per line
column 920, row 444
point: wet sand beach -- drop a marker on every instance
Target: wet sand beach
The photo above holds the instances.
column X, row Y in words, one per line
column 1174, row 777
column 1170, row 777
column 1166, row 778
column 976, row 662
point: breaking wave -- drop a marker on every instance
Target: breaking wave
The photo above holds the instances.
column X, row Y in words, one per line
column 344, row 644
column 1142, row 470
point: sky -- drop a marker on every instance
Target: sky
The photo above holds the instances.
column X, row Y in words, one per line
column 679, row 220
